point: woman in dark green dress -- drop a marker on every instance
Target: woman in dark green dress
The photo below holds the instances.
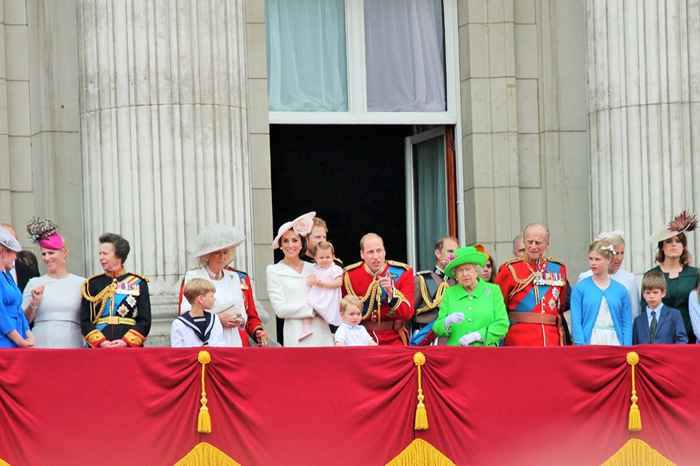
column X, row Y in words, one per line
column 673, row 260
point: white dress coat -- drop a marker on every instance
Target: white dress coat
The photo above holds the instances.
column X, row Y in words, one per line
column 288, row 291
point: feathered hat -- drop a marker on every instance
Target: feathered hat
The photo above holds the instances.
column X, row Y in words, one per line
column 681, row 223
column 45, row 232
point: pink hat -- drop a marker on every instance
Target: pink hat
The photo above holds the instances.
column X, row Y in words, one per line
column 43, row 231
column 302, row 225
column 53, row 241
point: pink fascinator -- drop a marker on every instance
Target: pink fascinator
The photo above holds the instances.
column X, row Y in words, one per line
column 301, row 225
column 44, row 231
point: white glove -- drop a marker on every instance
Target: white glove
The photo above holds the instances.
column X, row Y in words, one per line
column 454, row 318
column 470, row 338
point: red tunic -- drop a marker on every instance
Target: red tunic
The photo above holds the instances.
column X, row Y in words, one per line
column 535, row 294
column 381, row 315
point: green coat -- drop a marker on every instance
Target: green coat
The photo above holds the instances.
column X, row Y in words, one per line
column 483, row 309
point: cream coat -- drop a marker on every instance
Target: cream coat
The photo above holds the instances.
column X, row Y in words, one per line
column 287, row 291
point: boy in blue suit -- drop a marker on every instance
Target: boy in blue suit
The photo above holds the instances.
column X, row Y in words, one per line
column 657, row 323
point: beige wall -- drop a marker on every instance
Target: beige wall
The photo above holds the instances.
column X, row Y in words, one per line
column 259, row 150
column 39, row 119
column 524, row 127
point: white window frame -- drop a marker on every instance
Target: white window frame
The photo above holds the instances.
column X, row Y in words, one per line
column 357, row 79
column 410, row 142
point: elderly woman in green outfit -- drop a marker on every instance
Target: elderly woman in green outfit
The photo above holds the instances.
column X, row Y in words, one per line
column 472, row 311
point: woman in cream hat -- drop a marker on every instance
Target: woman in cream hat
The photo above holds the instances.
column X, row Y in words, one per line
column 235, row 303
column 287, row 289
column 674, row 259
column 14, row 328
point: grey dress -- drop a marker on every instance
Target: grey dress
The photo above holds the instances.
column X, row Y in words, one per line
column 57, row 321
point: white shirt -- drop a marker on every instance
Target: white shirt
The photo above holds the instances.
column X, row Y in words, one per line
column 353, row 335
column 228, row 297
column 629, row 280
column 694, row 311
column 182, row 336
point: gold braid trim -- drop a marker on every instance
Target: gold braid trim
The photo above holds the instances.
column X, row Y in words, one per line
column 373, row 295
column 97, row 301
column 521, row 284
column 429, row 304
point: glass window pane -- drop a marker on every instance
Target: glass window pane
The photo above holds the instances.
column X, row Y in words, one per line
column 306, row 55
column 430, row 191
column 405, row 55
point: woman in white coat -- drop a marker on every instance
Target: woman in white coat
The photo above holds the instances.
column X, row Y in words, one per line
column 287, row 289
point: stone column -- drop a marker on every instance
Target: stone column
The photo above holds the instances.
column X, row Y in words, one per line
column 644, row 112
column 523, row 91
column 164, row 132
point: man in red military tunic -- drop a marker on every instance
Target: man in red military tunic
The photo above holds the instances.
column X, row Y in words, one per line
column 535, row 290
column 386, row 289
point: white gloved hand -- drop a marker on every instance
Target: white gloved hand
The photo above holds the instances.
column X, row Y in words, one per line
column 454, row 318
column 470, row 338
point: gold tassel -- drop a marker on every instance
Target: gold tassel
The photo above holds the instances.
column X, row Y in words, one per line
column 421, row 422
column 634, row 423
column 636, row 452
column 204, row 418
column 420, row 452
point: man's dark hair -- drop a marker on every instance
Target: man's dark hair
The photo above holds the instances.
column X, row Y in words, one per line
column 121, row 246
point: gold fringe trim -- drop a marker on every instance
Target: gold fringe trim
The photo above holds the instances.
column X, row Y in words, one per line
column 634, row 423
column 421, row 422
column 420, row 452
column 205, row 454
column 635, row 452
column 204, row 418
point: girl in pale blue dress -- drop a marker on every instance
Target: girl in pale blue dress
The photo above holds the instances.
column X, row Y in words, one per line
column 601, row 313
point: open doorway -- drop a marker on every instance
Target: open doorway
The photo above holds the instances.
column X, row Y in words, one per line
column 352, row 176
column 394, row 180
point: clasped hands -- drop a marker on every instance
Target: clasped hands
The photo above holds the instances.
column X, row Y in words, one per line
column 469, row 338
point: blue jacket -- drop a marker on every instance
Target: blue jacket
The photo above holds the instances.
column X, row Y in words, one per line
column 11, row 312
column 585, row 304
column 669, row 328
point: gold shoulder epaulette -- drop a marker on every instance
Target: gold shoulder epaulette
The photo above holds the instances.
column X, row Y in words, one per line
column 555, row 259
column 512, row 260
column 140, row 276
column 94, row 276
column 424, row 272
column 399, row 264
column 353, row 266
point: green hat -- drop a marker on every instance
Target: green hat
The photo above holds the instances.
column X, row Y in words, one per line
column 467, row 255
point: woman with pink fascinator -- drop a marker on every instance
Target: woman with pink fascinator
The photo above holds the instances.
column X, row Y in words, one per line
column 288, row 291
column 52, row 301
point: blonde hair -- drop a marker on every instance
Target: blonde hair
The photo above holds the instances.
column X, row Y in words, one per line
column 319, row 222
column 603, row 247
column 230, row 251
column 325, row 245
column 350, row 300
column 197, row 287
column 653, row 280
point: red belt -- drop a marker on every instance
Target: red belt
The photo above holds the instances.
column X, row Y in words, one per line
column 533, row 318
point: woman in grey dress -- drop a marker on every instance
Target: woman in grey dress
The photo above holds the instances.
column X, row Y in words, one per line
column 52, row 301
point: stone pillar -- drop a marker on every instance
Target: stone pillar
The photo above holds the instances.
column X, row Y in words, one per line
column 164, row 132
column 522, row 73
column 644, row 112
column 15, row 125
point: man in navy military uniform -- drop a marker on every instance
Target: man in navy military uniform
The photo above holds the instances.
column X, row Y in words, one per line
column 430, row 285
column 116, row 308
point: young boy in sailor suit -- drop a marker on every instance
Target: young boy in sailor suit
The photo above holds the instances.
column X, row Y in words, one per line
column 198, row 327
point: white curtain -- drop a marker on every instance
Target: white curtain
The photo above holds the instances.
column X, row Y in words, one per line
column 405, row 55
column 430, row 190
column 306, row 55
